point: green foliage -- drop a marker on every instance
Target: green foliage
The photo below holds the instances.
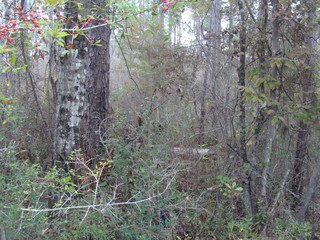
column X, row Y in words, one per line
column 134, row 173
column 228, row 188
column 139, row 175
column 241, row 229
column 21, row 188
column 11, row 116
column 292, row 229
column 122, row 192
column 53, row 2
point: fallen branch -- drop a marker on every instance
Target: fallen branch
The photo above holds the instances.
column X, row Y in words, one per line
column 194, row 151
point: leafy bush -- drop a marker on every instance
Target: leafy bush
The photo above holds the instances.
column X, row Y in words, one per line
column 21, row 188
column 291, row 229
column 121, row 196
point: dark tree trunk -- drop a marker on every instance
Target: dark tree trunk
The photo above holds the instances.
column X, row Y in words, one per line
column 309, row 192
column 308, row 99
column 298, row 167
column 262, row 45
column 97, row 84
column 242, row 117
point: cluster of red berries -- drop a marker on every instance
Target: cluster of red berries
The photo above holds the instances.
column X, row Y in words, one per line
column 7, row 29
column 167, row 5
column 70, row 45
column 33, row 17
column 58, row 14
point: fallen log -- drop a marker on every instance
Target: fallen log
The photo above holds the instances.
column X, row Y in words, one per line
column 194, row 151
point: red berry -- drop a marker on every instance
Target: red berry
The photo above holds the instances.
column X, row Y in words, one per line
column 13, row 22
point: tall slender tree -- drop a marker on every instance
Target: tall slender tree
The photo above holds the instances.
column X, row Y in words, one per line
column 308, row 100
column 247, row 196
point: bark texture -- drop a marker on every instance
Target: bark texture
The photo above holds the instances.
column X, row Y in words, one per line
column 212, row 73
column 271, row 128
column 242, row 117
column 301, row 197
column 71, row 94
column 97, row 84
column 308, row 99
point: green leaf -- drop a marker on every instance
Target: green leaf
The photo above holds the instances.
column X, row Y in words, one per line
column 270, row 111
column 248, row 95
column 281, row 119
column 166, row 38
column 62, row 34
column 4, row 50
column 60, row 42
column 91, row 16
column 57, row 33
column 20, row 68
column 5, row 69
column 289, row 63
column 13, row 59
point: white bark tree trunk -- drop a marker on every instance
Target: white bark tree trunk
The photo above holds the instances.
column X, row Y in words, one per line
column 70, row 86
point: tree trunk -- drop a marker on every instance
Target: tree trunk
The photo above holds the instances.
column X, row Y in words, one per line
column 97, row 83
column 262, row 45
column 70, row 102
column 214, row 48
column 271, row 129
column 70, row 94
column 242, row 117
column 307, row 99
column 212, row 65
column 307, row 196
column 203, row 108
column 228, row 72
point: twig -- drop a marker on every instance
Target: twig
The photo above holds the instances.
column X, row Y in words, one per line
column 250, row 12
column 126, row 63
